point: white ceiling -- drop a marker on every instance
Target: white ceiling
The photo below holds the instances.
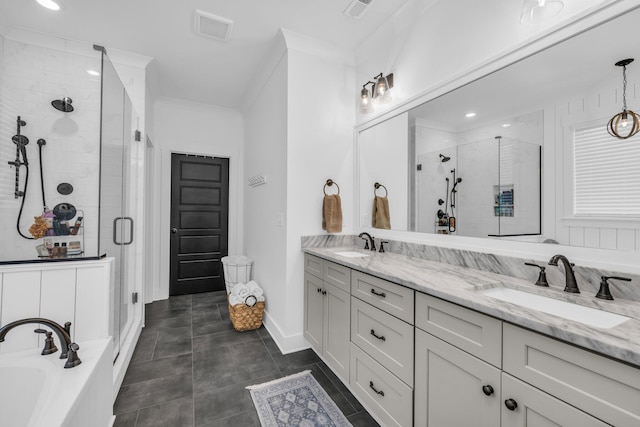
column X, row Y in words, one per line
column 190, row 66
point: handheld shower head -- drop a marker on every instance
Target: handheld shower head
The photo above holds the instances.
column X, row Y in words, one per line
column 444, row 158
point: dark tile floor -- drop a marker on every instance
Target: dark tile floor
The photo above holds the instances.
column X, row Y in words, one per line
column 190, row 369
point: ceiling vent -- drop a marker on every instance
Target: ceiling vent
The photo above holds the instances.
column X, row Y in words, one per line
column 213, row 26
column 357, row 8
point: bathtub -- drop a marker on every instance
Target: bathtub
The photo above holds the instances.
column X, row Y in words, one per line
column 38, row 391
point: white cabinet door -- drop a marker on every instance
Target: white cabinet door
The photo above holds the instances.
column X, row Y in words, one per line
column 530, row 407
column 453, row 388
column 336, row 330
column 313, row 311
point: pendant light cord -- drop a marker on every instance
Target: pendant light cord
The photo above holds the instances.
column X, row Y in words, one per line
column 624, row 87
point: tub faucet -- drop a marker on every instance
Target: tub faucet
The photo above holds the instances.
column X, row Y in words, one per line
column 368, row 238
column 570, row 278
column 69, row 349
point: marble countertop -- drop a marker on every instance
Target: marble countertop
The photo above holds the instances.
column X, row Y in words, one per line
column 463, row 286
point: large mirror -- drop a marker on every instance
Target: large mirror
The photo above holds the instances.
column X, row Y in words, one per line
column 501, row 156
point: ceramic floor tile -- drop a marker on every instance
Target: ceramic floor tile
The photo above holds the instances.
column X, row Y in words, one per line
column 213, row 370
column 362, row 419
column 158, row 368
column 291, row 361
column 152, row 393
column 126, row 420
column 169, row 323
column 221, row 403
column 221, row 339
column 172, row 342
column 145, row 347
column 176, row 413
column 243, row 419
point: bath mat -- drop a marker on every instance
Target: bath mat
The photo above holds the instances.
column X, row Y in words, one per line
column 295, row 400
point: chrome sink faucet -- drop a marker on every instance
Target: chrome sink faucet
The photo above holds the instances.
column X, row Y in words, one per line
column 69, row 349
column 571, row 285
column 368, row 239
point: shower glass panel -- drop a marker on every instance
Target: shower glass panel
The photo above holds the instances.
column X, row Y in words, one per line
column 118, row 151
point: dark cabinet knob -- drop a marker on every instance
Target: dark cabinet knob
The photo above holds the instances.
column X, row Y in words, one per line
column 511, row 404
column 319, row 290
column 380, row 337
column 380, row 392
column 324, row 292
column 174, row 230
column 487, row 389
column 378, row 294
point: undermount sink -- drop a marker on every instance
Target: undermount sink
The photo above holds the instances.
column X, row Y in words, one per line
column 586, row 315
column 351, row 254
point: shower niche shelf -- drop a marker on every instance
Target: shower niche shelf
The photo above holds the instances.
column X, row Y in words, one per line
column 68, row 235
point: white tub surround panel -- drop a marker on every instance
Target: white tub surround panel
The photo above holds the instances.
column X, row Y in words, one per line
column 76, row 292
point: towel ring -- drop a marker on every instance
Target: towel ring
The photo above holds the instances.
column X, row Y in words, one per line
column 329, row 183
column 376, row 186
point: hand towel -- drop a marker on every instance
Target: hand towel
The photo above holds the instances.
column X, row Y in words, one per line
column 332, row 213
column 380, row 216
column 240, row 290
column 254, row 289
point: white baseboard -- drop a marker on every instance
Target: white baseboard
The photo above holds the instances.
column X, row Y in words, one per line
column 286, row 343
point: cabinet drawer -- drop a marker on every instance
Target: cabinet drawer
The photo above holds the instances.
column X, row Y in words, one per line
column 390, row 297
column 313, row 265
column 604, row 388
column 382, row 392
column 338, row 275
column 466, row 329
column 385, row 338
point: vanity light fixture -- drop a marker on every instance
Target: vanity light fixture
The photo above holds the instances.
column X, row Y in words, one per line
column 380, row 92
column 366, row 102
column 49, row 4
column 626, row 123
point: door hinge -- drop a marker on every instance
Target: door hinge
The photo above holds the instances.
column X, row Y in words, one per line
column 134, row 297
column 138, row 136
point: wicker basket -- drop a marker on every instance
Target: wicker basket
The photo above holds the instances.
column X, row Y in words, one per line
column 245, row 318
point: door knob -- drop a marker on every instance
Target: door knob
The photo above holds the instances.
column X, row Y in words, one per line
column 511, row 404
column 174, row 230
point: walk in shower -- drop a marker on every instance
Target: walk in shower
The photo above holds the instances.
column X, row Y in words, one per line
column 69, row 160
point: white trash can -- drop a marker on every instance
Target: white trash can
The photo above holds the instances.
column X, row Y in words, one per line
column 237, row 269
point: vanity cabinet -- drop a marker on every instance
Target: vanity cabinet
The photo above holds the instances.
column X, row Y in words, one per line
column 327, row 312
column 472, row 369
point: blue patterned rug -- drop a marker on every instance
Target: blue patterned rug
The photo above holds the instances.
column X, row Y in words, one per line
column 296, row 400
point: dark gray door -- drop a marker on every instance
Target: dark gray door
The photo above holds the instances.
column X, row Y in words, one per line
column 199, row 223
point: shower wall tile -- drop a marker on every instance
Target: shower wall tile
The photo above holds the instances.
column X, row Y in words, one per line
column 30, row 78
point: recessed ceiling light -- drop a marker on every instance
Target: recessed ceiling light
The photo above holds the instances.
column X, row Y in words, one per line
column 469, row 115
column 93, row 72
column 506, row 125
column 49, row 4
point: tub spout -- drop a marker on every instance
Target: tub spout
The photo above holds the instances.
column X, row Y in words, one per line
column 69, row 349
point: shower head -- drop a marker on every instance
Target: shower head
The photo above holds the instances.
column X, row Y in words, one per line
column 444, row 158
column 63, row 104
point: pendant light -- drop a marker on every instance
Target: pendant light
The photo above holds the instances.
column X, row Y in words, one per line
column 625, row 124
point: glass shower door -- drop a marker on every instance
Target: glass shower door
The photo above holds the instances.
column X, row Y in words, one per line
column 116, row 219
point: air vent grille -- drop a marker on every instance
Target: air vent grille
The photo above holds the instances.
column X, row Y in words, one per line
column 357, row 8
column 212, row 26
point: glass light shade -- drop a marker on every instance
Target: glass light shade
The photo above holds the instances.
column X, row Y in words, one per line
column 365, row 100
column 381, row 91
column 535, row 12
column 624, row 125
